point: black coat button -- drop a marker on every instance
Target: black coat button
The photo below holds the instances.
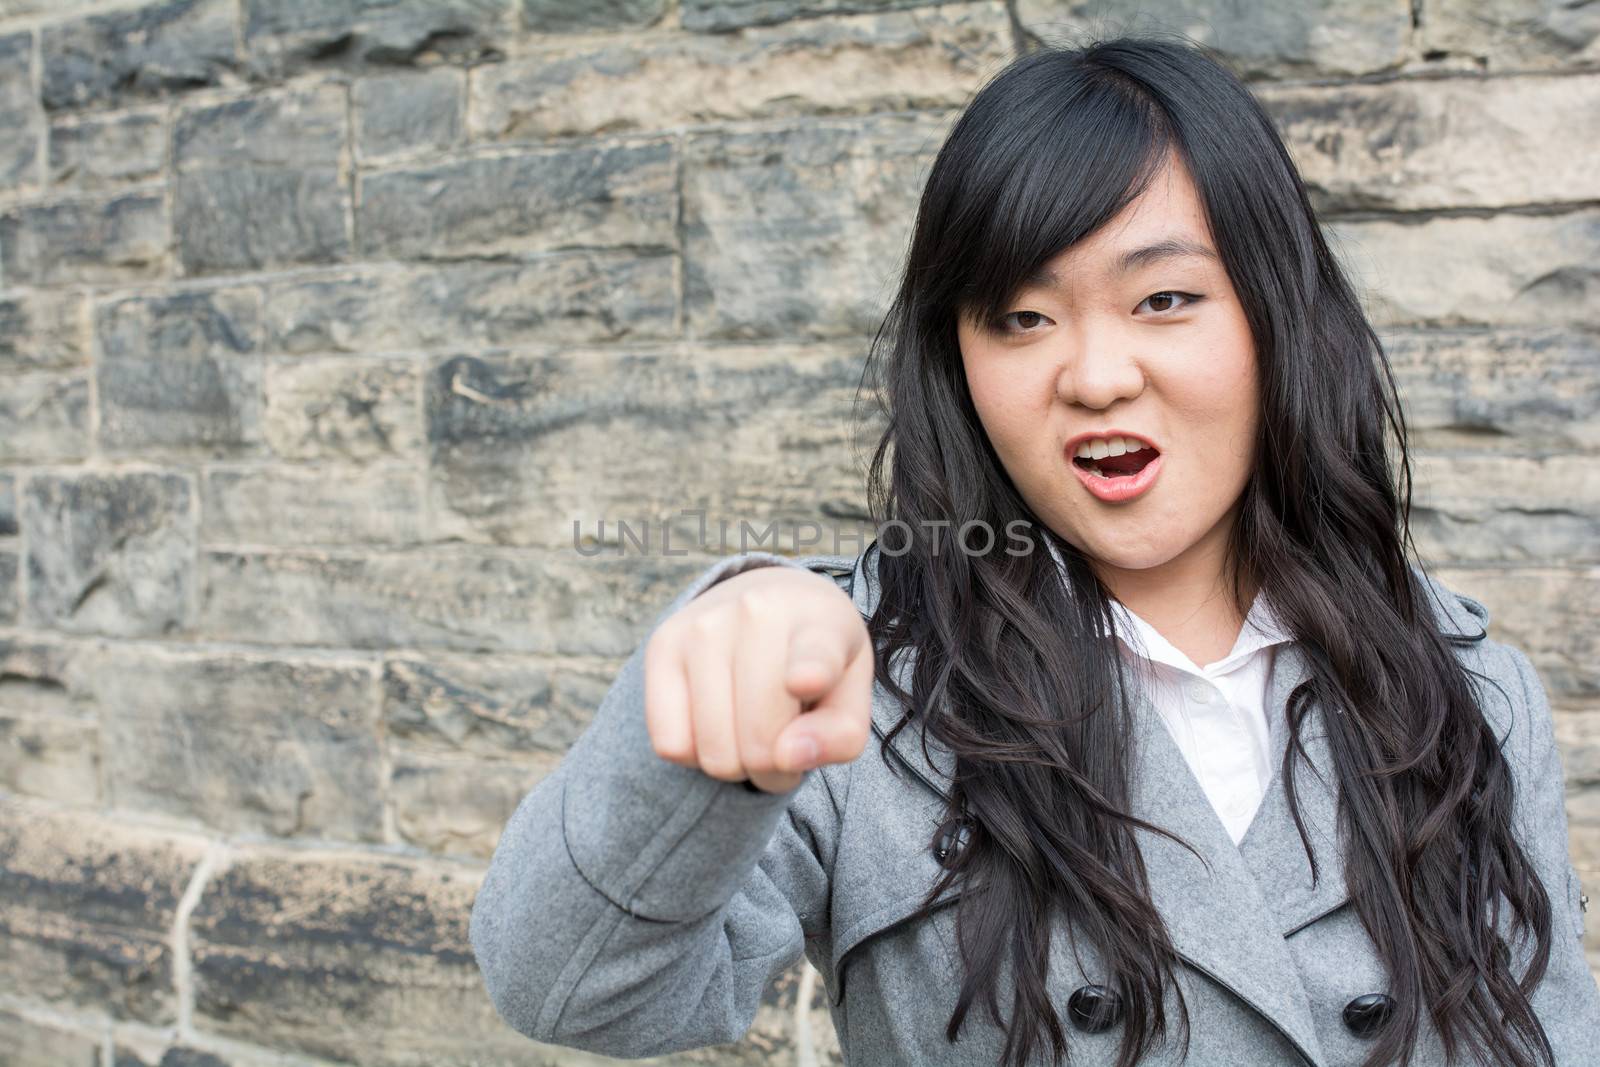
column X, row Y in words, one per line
column 1366, row 1014
column 1094, row 1008
column 951, row 839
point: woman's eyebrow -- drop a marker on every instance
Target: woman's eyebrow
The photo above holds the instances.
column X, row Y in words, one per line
column 1133, row 259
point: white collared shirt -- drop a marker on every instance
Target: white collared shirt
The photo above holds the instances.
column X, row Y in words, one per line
column 1216, row 713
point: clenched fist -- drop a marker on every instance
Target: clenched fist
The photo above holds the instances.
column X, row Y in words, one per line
column 762, row 676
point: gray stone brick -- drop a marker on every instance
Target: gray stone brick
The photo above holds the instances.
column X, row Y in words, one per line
column 555, row 603
column 490, row 707
column 342, row 505
column 562, row 16
column 43, row 329
column 150, row 51
column 283, row 37
column 732, row 14
column 270, row 746
column 337, row 408
column 44, row 417
column 409, row 112
column 569, row 298
column 101, row 152
column 21, row 118
column 288, row 946
column 1487, row 508
column 1443, row 143
column 901, row 60
column 53, row 759
column 521, row 448
column 819, row 217
column 89, row 910
column 459, row 807
column 1520, row 35
column 178, row 373
column 8, row 506
column 1527, row 391
column 94, row 240
column 109, row 553
column 1553, row 613
column 1504, row 270
column 1289, row 39
column 539, row 201
column 35, row 1043
column 257, row 218
column 291, row 128
column 9, row 565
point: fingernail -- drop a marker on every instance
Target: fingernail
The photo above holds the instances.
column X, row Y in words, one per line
column 802, row 753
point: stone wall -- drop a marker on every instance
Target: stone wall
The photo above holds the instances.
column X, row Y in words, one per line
column 320, row 320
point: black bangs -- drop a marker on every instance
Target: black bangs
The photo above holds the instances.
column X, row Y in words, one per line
column 1023, row 183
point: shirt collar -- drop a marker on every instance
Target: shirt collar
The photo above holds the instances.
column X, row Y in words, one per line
column 1262, row 629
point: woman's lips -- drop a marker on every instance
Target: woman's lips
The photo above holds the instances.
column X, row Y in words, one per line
column 1116, row 490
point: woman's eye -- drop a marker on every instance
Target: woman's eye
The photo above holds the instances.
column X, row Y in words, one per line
column 1166, row 298
column 1030, row 317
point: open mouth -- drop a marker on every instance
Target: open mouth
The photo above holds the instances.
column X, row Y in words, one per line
column 1124, row 466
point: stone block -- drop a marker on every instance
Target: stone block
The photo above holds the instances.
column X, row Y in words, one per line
column 154, row 50
column 105, row 151
column 285, row 37
column 592, row 196
column 291, row 128
column 41, row 329
column 109, row 553
column 321, row 505
column 44, row 417
column 523, row 448
column 343, row 409
column 243, row 743
column 95, row 240
column 90, row 905
column 558, row 299
column 719, row 15
column 21, row 117
column 920, row 60
column 257, row 218
column 800, row 233
column 458, row 808
column 34, row 1043
column 409, row 112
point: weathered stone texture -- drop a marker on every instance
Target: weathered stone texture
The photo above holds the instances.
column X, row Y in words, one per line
column 541, row 201
column 522, row 448
column 1512, row 34
column 410, row 112
column 349, row 957
column 285, row 37
column 244, row 744
column 336, row 408
column 565, row 298
column 89, row 910
column 41, row 329
column 99, row 152
column 34, row 1043
column 321, row 505
column 130, row 55
column 44, row 417
column 1448, row 143
column 180, row 373
column 109, row 553
column 1285, row 39
column 94, row 240
column 902, row 60
column 21, row 117
column 799, row 232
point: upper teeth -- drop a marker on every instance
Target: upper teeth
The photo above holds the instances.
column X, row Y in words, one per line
column 1101, row 447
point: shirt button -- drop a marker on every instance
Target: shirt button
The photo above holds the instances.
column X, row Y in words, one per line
column 1199, row 692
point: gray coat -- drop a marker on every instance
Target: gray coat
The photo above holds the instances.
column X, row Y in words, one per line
column 635, row 907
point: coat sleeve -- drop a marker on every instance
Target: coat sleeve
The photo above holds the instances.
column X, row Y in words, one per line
column 1568, row 1000
column 635, row 907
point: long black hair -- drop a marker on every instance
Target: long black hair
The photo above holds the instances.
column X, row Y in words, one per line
column 1020, row 667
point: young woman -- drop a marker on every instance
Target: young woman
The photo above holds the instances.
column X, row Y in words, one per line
column 1199, row 768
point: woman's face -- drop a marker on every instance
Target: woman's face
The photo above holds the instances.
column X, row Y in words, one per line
column 1159, row 348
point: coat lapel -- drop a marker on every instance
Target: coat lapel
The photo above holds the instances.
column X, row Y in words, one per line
column 1213, row 903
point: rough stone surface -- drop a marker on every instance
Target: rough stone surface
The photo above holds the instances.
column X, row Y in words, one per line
column 923, row 59
column 366, row 364
column 129, row 55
